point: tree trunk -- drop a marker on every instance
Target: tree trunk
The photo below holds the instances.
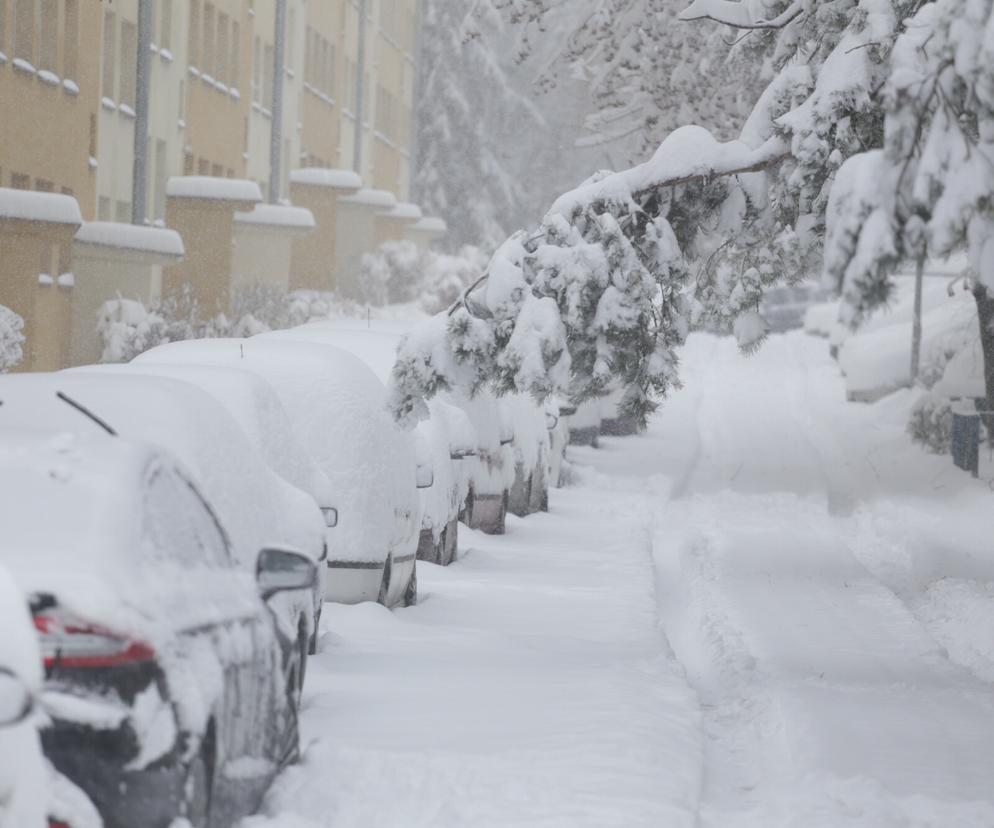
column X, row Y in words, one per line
column 985, row 312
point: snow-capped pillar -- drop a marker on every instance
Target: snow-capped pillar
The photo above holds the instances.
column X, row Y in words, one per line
column 312, row 265
column 112, row 261
column 202, row 210
column 392, row 225
column 35, row 227
column 264, row 241
column 426, row 232
column 358, row 234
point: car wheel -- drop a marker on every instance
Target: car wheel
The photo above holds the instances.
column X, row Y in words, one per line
column 303, row 650
column 197, row 808
column 384, row 596
column 451, row 545
column 411, row 593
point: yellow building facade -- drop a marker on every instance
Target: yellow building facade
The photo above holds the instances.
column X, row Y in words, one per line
column 68, row 83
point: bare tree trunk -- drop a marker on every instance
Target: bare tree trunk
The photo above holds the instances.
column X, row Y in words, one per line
column 985, row 312
column 916, row 326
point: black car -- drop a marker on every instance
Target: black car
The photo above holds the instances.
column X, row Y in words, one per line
column 170, row 689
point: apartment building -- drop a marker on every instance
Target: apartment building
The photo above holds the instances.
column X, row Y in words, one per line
column 68, row 79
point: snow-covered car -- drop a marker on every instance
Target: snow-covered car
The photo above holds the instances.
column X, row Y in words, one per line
column 338, row 410
column 23, row 775
column 585, row 424
column 169, row 685
column 558, row 417
column 257, row 409
column 257, row 507
column 447, row 435
column 613, row 422
column 532, row 449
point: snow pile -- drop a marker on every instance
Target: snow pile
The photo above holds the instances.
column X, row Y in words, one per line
column 324, row 177
column 23, row 771
column 219, row 189
column 119, row 236
column 11, row 339
column 28, row 205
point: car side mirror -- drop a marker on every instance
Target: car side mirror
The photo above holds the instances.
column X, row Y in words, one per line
column 16, row 700
column 551, row 421
column 567, row 410
column 426, row 476
column 281, row 570
column 330, row 514
column 506, row 439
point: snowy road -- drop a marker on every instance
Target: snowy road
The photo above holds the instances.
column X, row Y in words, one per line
column 825, row 589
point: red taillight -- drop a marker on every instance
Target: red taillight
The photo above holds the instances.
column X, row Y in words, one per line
column 68, row 643
column 53, row 824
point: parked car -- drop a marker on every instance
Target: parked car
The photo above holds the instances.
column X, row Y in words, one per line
column 257, row 409
column 338, row 410
column 169, row 684
column 256, row 507
column 447, row 436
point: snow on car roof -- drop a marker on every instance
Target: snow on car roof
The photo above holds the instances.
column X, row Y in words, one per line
column 253, row 403
column 255, row 506
column 339, row 411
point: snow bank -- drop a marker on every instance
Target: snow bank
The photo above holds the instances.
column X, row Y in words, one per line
column 28, row 205
column 324, row 177
column 121, row 236
column 221, row 189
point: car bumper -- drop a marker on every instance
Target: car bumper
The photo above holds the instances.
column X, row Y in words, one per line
column 95, row 762
column 353, row 582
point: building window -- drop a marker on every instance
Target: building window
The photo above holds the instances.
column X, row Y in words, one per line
column 93, row 136
column 20, row 182
column 291, row 37
column 24, row 30
column 210, row 40
column 3, row 25
column 48, row 54
column 188, row 163
column 217, row 171
column 110, row 38
column 166, row 24
column 103, row 209
column 129, row 63
column 42, row 185
column 122, row 212
column 161, row 179
column 223, row 48
column 203, row 166
column 70, row 40
column 193, row 44
column 257, row 70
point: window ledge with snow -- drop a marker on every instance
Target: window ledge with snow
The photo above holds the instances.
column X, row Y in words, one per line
column 166, row 56
column 108, row 104
column 21, row 65
column 70, row 87
column 235, row 93
column 45, row 280
column 3, row 57
column 193, row 70
column 93, row 163
column 67, row 280
column 127, row 111
column 48, row 77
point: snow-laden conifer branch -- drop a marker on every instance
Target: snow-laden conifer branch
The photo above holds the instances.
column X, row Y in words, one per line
column 741, row 15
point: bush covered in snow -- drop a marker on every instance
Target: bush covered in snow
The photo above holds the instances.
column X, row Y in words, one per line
column 11, row 339
column 931, row 423
column 127, row 328
column 399, row 272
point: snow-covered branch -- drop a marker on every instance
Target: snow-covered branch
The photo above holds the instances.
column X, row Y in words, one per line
column 741, row 15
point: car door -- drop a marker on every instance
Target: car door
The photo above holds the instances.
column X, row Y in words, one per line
column 227, row 630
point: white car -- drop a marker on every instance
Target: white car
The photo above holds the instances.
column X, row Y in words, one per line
column 253, row 404
column 447, row 437
column 532, row 455
column 338, row 409
column 257, row 507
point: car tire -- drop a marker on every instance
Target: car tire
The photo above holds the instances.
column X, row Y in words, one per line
column 467, row 516
column 450, row 544
column 411, row 593
column 197, row 806
column 303, row 649
column 384, row 596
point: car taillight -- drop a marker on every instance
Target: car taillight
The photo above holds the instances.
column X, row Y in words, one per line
column 68, row 643
column 55, row 824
